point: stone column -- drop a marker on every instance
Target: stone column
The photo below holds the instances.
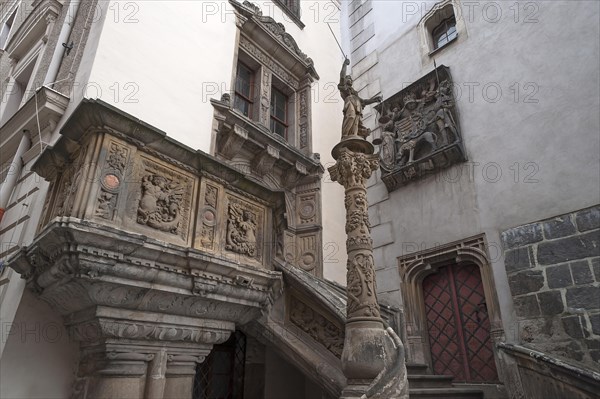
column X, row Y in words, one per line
column 365, row 344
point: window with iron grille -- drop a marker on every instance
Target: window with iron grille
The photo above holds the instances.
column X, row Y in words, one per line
column 279, row 103
column 244, row 83
column 221, row 375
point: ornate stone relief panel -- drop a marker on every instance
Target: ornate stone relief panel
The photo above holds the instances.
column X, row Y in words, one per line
column 304, row 120
column 208, row 215
column 244, row 234
column 267, row 60
column 162, row 201
column 420, row 131
column 111, row 180
column 320, row 328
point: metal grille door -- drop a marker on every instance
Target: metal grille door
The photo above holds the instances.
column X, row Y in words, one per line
column 221, row 375
column 458, row 324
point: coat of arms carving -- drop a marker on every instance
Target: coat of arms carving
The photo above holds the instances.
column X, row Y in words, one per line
column 420, row 131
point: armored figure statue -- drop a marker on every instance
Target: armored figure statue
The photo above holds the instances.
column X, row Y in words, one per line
column 353, row 105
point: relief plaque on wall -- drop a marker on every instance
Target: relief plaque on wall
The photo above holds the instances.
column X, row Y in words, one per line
column 244, row 231
column 420, row 131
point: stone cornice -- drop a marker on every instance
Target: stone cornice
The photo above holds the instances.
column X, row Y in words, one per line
column 51, row 106
column 271, row 36
column 232, row 123
column 75, row 265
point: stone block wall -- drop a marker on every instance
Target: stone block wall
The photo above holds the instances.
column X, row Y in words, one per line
column 553, row 269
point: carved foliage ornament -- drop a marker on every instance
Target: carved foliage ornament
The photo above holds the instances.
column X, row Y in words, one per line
column 352, row 169
column 362, row 300
column 317, row 326
column 113, row 172
column 207, row 233
column 278, row 30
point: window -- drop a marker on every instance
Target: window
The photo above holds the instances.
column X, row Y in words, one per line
column 5, row 30
column 279, row 103
column 440, row 30
column 444, row 32
column 244, row 83
column 18, row 91
column 293, row 6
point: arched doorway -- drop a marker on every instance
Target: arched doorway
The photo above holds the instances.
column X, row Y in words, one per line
column 467, row 257
column 458, row 324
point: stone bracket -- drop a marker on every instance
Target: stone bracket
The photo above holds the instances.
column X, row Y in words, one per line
column 264, row 161
column 232, row 140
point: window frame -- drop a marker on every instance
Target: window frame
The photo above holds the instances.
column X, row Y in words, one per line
column 274, row 118
column 443, row 27
column 248, row 100
column 7, row 27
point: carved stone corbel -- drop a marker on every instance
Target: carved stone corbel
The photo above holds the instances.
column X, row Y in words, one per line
column 293, row 175
column 264, row 161
column 231, row 140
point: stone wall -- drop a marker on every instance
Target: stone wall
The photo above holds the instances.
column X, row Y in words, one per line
column 553, row 269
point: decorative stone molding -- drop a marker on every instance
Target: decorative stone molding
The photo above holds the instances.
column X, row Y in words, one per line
column 268, row 33
column 319, row 327
column 421, row 134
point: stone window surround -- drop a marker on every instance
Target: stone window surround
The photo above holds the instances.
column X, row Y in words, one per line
column 12, row 11
column 28, row 41
column 441, row 11
column 264, row 45
column 413, row 269
column 264, row 79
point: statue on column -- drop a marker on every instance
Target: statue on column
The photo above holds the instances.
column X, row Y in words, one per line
column 353, row 106
column 373, row 355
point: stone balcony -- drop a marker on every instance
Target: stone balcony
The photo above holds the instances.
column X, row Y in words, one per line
column 151, row 251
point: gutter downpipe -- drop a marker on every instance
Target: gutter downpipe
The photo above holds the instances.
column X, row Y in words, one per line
column 59, row 50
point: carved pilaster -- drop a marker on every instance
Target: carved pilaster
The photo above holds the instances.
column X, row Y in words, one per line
column 231, row 140
column 265, row 96
column 110, row 180
column 304, row 140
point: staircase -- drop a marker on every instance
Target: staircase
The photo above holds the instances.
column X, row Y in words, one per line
column 424, row 385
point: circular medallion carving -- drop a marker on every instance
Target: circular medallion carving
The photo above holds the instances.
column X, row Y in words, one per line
column 307, row 261
column 111, row 181
column 209, row 217
column 307, row 210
